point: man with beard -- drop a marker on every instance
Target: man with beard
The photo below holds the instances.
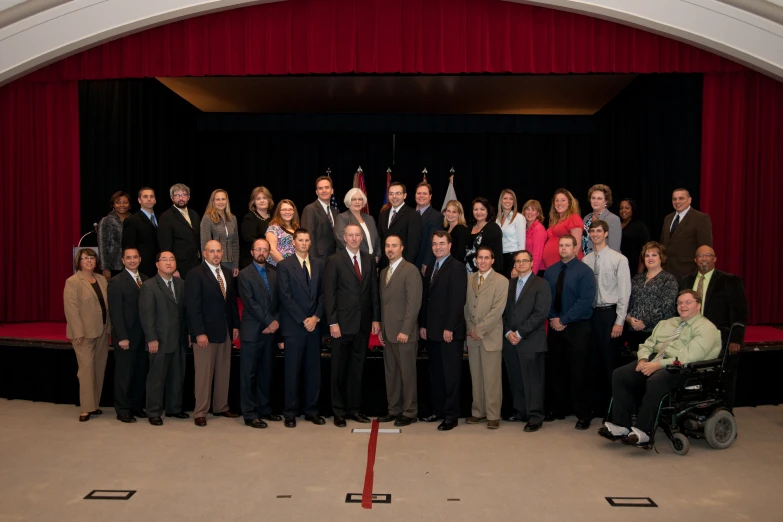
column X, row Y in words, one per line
column 178, row 230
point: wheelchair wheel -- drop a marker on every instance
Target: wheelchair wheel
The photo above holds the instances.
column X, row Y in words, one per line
column 720, row 429
column 681, row 445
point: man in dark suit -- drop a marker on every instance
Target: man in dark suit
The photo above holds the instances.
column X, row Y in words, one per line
column 401, row 220
column 258, row 290
column 524, row 344
column 130, row 359
column 141, row 231
column 300, row 287
column 684, row 230
column 162, row 312
column 431, row 220
column 178, row 231
column 723, row 303
column 318, row 219
column 352, row 313
column 213, row 320
column 442, row 322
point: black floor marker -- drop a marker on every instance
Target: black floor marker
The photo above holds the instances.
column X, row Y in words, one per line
column 110, row 494
column 377, row 498
column 631, row 502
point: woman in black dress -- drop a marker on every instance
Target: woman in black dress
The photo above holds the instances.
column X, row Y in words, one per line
column 454, row 223
column 484, row 232
column 255, row 223
column 635, row 234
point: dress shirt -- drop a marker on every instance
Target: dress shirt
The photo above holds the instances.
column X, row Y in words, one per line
column 212, row 269
column 521, row 282
column 328, row 212
column 483, row 274
column 578, row 291
column 514, row 233
column 438, row 264
column 301, row 263
column 136, row 275
column 705, row 284
column 356, row 255
column 367, row 236
column 394, row 265
column 262, row 272
column 613, row 280
column 149, row 216
column 682, row 216
column 422, row 210
column 698, row 341
column 392, row 211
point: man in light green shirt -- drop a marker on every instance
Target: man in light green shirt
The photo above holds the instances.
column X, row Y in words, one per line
column 690, row 338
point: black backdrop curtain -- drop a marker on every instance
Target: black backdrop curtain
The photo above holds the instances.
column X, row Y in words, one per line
column 137, row 132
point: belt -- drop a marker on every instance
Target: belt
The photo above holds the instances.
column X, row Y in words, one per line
column 604, row 307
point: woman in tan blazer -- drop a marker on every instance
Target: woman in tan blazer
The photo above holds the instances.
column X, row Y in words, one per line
column 86, row 311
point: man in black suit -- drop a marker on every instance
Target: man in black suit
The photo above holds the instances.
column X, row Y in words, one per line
column 431, row 220
column 162, row 311
column 524, row 344
column 400, row 220
column 300, row 287
column 141, row 231
column 213, row 320
column 723, row 303
column 318, row 219
column 352, row 313
column 684, row 230
column 178, row 231
column 442, row 322
column 258, row 290
column 130, row 359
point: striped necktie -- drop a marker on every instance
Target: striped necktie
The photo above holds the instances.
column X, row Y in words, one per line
column 220, row 282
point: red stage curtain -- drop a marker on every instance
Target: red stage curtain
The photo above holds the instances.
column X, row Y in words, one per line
column 39, row 161
column 742, row 183
column 385, row 36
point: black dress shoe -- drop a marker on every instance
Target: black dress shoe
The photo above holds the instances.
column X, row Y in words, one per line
column 358, row 417
column 552, row 417
column 270, row 417
column 404, row 421
column 582, row 424
column 180, row 415
column 290, row 422
column 84, row 417
column 256, row 423
column 339, row 421
column 139, row 413
column 96, row 412
column 126, row 418
column 156, row 421
column 515, row 418
column 315, row 419
column 447, row 425
column 431, row 418
column 389, row 418
column 530, row 426
column 227, row 413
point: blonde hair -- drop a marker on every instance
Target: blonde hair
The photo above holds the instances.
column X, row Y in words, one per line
column 265, row 191
column 212, row 212
column 537, row 207
column 501, row 216
column 278, row 220
column 573, row 207
column 460, row 213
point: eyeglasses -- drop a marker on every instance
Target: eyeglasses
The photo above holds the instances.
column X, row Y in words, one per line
column 259, row 249
column 680, row 303
column 699, row 256
column 181, row 195
column 86, row 258
column 395, row 193
column 523, row 261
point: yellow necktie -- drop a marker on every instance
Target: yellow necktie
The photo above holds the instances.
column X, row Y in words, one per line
column 389, row 274
column 220, row 282
column 700, row 288
column 138, row 281
column 481, row 280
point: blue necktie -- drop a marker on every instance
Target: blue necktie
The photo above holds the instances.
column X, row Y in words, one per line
column 154, row 221
column 520, row 286
column 262, row 271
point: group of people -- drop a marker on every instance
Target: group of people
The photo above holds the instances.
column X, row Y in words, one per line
column 553, row 304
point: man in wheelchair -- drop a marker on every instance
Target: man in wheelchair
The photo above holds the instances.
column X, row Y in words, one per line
column 688, row 338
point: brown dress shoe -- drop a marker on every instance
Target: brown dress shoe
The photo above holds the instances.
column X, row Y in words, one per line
column 200, row 421
column 493, row 425
column 227, row 413
column 475, row 420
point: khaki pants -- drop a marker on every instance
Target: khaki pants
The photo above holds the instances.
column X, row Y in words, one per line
column 212, row 361
column 486, row 376
column 91, row 357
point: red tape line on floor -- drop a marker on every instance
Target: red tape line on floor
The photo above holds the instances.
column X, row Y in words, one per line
column 369, row 474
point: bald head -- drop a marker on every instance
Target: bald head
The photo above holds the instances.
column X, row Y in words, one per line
column 213, row 252
column 705, row 259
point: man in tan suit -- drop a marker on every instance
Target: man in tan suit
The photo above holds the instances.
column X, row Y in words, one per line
column 684, row 230
column 484, row 306
column 400, row 296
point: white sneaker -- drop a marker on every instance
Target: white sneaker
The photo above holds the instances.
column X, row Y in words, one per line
column 617, row 431
column 638, row 437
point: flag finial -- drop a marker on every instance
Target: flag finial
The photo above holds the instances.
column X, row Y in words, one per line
column 329, row 171
column 359, row 169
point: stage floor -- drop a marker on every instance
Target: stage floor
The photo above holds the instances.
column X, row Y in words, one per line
column 227, row 471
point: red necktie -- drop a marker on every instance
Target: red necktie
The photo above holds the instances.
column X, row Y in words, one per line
column 356, row 268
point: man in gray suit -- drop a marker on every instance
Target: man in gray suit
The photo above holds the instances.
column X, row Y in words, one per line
column 162, row 311
column 400, row 296
column 524, row 347
column 684, row 230
column 318, row 218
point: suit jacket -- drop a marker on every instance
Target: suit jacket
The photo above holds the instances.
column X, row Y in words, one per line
column 348, row 302
column 82, row 308
column 443, row 300
column 138, row 231
column 175, row 235
column 162, row 317
column 124, row 309
column 321, row 231
column 484, row 309
column 400, row 302
column 208, row 313
column 431, row 221
column 693, row 231
column 224, row 231
column 724, row 303
column 260, row 304
column 528, row 315
column 298, row 300
column 347, row 218
column 407, row 225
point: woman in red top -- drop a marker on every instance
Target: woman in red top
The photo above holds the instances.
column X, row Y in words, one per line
column 536, row 233
column 564, row 219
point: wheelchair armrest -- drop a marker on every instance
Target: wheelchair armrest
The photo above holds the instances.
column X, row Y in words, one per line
column 701, row 365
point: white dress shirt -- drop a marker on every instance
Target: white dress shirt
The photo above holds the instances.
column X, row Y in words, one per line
column 682, row 216
column 514, row 234
column 613, row 280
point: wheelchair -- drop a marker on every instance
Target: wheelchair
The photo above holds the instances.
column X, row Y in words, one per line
column 699, row 408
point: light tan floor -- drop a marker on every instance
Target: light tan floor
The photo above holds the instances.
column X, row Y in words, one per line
column 226, row 471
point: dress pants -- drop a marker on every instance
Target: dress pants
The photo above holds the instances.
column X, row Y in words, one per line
column 256, row 359
column 165, row 380
column 302, row 357
column 130, row 376
column 526, row 372
column 212, row 361
column 399, row 363
column 602, row 354
column 567, row 386
column 628, row 386
column 348, row 355
column 91, row 357
column 486, row 375
column 445, row 375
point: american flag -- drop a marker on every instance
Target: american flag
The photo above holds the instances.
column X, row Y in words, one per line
column 386, row 192
column 358, row 182
column 333, row 201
